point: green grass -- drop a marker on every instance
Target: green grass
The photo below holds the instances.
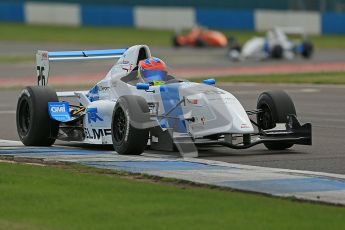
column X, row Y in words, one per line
column 16, row 59
column 329, row 41
column 96, row 35
column 124, row 36
column 305, row 78
column 34, row 197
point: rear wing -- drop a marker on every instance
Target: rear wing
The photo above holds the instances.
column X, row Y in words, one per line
column 292, row 30
column 44, row 57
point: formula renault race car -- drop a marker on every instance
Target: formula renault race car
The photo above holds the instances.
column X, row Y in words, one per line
column 200, row 37
column 275, row 45
column 133, row 113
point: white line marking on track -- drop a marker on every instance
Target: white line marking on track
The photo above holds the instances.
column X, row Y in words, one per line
column 309, row 90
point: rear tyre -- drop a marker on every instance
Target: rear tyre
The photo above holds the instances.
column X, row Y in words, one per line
column 234, row 49
column 277, row 52
column 129, row 133
column 308, row 49
column 200, row 43
column 276, row 106
column 34, row 126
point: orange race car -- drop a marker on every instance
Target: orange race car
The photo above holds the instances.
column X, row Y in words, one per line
column 199, row 37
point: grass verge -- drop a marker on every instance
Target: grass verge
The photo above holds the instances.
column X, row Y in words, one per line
column 124, row 36
column 97, row 35
column 34, row 197
column 16, row 59
column 299, row 78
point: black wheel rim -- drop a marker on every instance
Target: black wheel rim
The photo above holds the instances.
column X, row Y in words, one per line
column 119, row 125
column 265, row 118
column 24, row 117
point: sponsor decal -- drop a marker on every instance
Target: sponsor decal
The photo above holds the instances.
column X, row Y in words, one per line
column 213, row 92
column 103, row 88
column 114, row 84
column 92, row 115
column 96, row 133
column 44, row 56
column 127, row 67
column 244, row 126
column 127, row 125
column 58, row 109
column 203, row 120
column 26, row 92
column 41, row 78
column 193, row 101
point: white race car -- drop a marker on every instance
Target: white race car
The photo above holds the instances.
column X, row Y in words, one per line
column 132, row 114
column 275, row 45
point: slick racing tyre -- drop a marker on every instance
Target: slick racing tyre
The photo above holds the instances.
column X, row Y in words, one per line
column 34, row 126
column 199, row 42
column 308, row 49
column 233, row 44
column 277, row 52
column 175, row 41
column 129, row 125
column 275, row 106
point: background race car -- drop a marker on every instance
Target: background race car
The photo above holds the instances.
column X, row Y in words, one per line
column 275, row 45
column 200, row 37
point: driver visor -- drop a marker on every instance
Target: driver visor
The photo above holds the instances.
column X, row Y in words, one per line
column 154, row 75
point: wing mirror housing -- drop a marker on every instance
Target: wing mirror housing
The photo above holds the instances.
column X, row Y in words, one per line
column 210, row 81
column 143, row 86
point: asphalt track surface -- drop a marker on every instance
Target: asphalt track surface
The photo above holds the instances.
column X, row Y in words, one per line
column 323, row 106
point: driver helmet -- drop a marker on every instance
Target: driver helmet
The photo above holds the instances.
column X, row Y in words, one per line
column 152, row 69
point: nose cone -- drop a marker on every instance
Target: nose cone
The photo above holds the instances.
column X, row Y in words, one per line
column 216, row 39
column 215, row 111
column 231, row 114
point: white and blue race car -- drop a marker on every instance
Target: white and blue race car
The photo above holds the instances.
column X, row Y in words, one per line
column 132, row 114
column 275, row 45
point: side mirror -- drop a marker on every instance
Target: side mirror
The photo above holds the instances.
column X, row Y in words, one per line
column 210, row 81
column 143, row 86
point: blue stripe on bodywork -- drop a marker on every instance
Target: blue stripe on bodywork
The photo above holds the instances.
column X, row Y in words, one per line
column 93, row 95
column 170, row 96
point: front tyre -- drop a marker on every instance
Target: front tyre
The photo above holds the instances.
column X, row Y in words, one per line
column 131, row 116
column 34, row 126
column 175, row 41
column 275, row 106
column 277, row 52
